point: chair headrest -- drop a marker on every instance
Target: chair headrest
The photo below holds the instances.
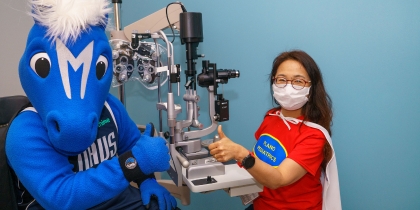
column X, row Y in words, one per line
column 9, row 105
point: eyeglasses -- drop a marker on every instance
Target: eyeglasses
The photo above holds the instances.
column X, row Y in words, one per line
column 297, row 84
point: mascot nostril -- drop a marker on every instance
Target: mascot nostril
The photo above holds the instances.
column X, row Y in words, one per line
column 57, row 126
column 53, row 125
column 93, row 124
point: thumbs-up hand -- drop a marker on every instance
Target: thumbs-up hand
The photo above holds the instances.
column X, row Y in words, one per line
column 149, row 130
column 151, row 153
column 220, row 132
column 225, row 149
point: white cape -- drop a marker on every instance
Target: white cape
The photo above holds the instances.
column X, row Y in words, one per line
column 331, row 199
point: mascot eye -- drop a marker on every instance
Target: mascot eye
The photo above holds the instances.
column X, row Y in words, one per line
column 41, row 64
column 101, row 66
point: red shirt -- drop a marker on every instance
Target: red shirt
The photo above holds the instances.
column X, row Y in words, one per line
column 302, row 144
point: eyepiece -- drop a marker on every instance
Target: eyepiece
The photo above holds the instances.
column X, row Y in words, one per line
column 227, row 73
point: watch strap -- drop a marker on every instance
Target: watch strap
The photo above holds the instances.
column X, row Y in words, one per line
column 241, row 163
column 130, row 167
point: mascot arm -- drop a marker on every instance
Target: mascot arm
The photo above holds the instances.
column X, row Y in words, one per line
column 128, row 132
column 150, row 153
column 48, row 175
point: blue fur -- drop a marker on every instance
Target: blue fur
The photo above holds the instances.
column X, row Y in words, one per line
column 145, row 149
column 39, row 143
column 47, row 173
column 150, row 187
column 47, row 95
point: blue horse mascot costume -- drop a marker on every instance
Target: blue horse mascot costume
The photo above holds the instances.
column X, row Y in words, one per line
column 77, row 147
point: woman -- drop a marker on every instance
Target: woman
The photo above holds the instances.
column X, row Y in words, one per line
column 293, row 145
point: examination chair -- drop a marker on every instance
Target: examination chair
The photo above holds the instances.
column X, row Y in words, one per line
column 9, row 107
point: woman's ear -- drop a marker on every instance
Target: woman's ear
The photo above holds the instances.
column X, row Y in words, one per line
column 310, row 93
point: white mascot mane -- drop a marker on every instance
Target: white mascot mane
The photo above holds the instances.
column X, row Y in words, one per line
column 67, row 19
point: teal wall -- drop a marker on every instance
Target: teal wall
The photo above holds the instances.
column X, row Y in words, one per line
column 369, row 54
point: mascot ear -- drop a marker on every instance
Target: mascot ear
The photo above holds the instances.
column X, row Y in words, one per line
column 104, row 23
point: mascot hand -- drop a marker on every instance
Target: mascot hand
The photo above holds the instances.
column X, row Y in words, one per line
column 150, row 187
column 151, row 153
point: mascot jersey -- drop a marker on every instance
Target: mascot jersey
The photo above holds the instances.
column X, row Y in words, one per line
column 302, row 144
column 52, row 173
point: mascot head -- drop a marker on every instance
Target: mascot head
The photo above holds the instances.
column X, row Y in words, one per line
column 66, row 69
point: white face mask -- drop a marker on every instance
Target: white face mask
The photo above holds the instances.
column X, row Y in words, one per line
column 290, row 98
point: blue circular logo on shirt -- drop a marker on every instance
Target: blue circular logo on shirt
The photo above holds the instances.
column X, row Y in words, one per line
column 270, row 150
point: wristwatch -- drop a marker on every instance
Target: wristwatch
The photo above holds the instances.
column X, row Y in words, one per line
column 248, row 162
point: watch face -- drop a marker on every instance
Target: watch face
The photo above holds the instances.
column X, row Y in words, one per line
column 248, row 162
